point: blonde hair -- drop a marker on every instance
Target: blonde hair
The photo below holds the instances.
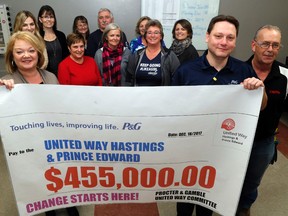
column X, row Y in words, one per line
column 30, row 38
column 20, row 19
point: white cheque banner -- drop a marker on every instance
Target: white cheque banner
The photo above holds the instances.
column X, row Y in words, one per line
column 76, row 145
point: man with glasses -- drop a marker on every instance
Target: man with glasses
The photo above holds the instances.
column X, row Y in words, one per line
column 265, row 46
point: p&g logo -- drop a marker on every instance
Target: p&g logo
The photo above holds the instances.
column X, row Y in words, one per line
column 130, row 126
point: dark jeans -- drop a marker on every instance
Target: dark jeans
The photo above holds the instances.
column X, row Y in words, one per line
column 72, row 211
column 260, row 158
column 186, row 209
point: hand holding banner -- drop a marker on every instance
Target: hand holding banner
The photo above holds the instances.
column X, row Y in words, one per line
column 76, row 145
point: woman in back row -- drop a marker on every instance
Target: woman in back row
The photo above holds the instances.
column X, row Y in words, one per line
column 55, row 40
column 25, row 21
column 182, row 43
column 81, row 26
column 140, row 42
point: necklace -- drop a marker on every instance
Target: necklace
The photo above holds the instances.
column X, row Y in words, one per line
column 49, row 37
column 52, row 45
column 38, row 80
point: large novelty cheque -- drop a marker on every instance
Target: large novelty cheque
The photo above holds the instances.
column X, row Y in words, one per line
column 76, row 145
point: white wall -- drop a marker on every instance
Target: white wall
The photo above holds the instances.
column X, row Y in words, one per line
column 251, row 14
column 126, row 12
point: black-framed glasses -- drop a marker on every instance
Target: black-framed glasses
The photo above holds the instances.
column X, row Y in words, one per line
column 48, row 17
column 266, row 45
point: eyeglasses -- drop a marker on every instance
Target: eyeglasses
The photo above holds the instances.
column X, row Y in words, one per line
column 266, row 45
column 48, row 17
column 155, row 33
column 83, row 25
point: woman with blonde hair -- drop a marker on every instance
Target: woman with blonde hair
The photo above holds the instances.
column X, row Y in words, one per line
column 24, row 59
column 26, row 21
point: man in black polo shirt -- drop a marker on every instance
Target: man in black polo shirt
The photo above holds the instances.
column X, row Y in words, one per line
column 265, row 45
column 216, row 67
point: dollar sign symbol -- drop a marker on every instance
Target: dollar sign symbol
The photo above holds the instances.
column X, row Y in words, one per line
column 51, row 175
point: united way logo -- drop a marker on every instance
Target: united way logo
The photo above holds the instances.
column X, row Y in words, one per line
column 228, row 124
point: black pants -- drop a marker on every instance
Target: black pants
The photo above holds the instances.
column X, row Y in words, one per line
column 186, row 209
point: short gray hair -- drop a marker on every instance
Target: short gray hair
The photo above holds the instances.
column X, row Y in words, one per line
column 105, row 9
column 269, row 27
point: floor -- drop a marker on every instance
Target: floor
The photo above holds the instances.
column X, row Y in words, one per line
column 272, row 200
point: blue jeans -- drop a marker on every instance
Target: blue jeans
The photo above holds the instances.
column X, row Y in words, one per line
column 261, row 155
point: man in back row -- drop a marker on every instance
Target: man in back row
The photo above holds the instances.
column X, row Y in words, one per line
column 94, row 41
column 217, row 67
